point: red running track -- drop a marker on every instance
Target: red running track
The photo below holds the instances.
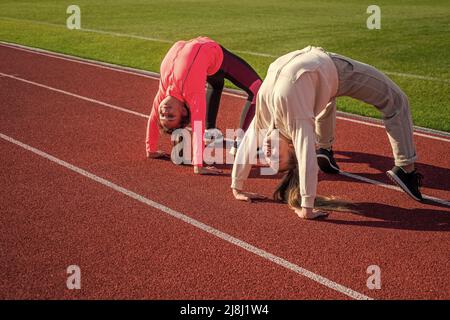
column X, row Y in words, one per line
column 53, row 217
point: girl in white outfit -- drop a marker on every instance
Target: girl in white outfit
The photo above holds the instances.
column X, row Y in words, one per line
column 299, row 90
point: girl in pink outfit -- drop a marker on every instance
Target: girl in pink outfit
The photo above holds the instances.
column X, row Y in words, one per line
column 183, row 98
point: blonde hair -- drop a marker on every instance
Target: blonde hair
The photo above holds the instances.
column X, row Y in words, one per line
column 288, row 191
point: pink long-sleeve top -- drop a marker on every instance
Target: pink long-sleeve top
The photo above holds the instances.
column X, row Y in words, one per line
column 183, row 75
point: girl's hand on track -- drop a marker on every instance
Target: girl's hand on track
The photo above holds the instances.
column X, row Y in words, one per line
column 207, row 170
column 310, row 213
column 158, row 155
column 247, row 196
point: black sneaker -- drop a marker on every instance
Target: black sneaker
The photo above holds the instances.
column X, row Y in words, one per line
column 409, row 182
column 326, row 162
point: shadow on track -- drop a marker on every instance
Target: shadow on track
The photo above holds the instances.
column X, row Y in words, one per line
column 392, row 217
column 434, row 177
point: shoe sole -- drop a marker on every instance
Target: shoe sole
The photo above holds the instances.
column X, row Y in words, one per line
column 325, row 162
column 400, row 183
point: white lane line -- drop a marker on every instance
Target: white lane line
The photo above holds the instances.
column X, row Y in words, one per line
column 125, row 35
column 200, row 225
column 258, row 54
column 229, row 92
column 416, row 76
column 372, row 124
column 392, row 187
column 364, row 120
column 76, row 95
column 110, row 33
column 253, row 53
column 108, row 105
column 229, row 141
column 89, row 62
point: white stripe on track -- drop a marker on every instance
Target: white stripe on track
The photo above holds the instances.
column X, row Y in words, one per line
column 229, row 92
column 391, row 187
column 364, row 120
column 372, row 124
column 200, row 225
column 89, row 62
column 104, row 104
column 108, row 105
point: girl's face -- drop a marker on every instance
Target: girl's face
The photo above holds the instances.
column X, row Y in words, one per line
column 171, row 111
column 277, row 150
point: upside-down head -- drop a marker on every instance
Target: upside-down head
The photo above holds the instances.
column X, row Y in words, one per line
column 173, row 114
column 288, row 190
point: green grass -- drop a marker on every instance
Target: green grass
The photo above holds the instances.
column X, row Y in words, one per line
column 414, row 37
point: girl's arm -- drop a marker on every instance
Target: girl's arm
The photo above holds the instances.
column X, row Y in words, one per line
column 197, row 107
column 243, row 164
column 303, row 138
column 152, row 125
column 194, row 91
column 197, row 103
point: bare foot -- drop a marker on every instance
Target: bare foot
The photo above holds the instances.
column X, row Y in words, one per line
column 310, row 213
column 207, row 170
column 247, row 196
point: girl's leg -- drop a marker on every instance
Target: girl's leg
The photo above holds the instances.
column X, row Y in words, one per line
column 214, row 90
column 364, row 82
column 241, row 74
column 325, row 129
column 326, row 126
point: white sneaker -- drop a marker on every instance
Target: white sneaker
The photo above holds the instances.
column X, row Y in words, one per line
column 234, row 148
